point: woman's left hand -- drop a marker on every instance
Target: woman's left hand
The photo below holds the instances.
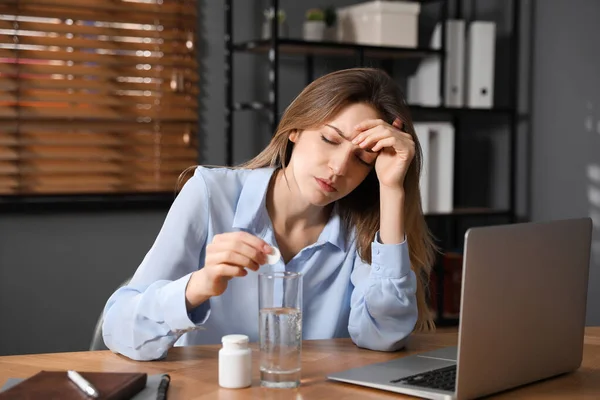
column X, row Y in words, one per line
column 396, row 149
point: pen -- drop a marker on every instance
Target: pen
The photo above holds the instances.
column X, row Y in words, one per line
column 82, row 384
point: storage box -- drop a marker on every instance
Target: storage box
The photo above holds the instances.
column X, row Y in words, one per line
column 379, row 23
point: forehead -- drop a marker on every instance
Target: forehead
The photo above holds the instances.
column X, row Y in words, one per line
column 354, row 114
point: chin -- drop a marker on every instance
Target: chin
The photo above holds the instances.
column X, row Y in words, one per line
column 318, row 198
column 323, row 202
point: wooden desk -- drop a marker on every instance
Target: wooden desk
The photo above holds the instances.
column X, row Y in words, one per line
column 194, row 371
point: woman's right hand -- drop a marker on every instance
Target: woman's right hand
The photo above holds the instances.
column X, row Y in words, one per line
column 227, row 257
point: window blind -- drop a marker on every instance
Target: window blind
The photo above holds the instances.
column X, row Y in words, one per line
column 97, row 96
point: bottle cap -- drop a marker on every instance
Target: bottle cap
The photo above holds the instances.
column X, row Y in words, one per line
column 274, row 256
column 235, row 341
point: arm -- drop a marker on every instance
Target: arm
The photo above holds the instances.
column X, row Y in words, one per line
column 143, row 319
column 383, row 303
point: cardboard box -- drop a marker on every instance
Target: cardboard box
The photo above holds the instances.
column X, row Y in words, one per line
column 379, row 23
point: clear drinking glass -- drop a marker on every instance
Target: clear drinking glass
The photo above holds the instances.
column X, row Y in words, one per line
column 280, row 328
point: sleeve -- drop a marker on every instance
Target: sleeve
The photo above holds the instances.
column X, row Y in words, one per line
column 383, row 305
column 143, row 319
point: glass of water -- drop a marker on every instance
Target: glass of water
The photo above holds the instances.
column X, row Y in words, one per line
column 280, row 328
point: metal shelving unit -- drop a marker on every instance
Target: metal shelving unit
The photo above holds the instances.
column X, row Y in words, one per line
column 450, row 222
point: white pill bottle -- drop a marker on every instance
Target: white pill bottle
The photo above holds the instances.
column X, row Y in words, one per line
column 235, row 362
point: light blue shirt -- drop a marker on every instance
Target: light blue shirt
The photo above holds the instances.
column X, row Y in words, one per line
column 342, row 296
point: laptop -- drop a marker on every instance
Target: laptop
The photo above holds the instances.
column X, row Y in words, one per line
column 522, row 315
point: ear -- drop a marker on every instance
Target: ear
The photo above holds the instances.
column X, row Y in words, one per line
column 293, row 136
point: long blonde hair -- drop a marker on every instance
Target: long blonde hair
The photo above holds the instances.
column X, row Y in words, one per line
column 318, row 103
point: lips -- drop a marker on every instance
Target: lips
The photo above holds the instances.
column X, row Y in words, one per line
column 326, row 185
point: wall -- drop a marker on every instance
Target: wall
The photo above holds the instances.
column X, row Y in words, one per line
column 566, row 118
column 57, row 271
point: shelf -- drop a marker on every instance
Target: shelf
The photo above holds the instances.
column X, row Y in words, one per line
column 302, row 47
column 451, row 224
column 471, row 212
column 418, row 110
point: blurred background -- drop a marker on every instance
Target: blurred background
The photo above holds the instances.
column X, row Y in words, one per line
column 104, row 105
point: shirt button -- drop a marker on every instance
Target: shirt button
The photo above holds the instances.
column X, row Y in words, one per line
column 376, row 267
column 377, row 252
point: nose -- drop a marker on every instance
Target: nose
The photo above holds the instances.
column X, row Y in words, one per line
column 340, row 161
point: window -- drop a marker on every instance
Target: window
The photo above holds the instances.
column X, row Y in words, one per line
column 97, row 96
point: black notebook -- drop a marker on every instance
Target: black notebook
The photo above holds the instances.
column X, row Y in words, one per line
column 155, row 387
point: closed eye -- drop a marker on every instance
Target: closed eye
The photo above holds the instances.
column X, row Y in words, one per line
column 368, row 164
column 323, row 138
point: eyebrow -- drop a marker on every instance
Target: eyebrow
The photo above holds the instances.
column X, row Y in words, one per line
column 339, row 132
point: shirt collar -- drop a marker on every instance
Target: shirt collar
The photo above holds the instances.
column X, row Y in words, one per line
column 251, row 211
column 333, row 231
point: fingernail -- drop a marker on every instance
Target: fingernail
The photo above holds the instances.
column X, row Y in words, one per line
column 267, row 249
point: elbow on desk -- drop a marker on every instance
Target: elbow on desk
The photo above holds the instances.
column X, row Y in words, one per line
column 145, row 353
column 372, row 337
column 380, row 344
column 121, row 336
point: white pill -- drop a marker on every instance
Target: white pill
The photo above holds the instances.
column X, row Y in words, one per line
column 274, row 256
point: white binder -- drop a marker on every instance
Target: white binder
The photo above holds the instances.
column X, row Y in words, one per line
column 481, row 49
column 441, row 167
column 412, row 95
column 427, row 82
column 427, row 78
column 437, row 177
column 455, row 55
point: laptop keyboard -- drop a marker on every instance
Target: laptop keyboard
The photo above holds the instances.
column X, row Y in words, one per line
column 442, row 378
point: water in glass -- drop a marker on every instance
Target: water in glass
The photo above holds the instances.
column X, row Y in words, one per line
column 280, row 345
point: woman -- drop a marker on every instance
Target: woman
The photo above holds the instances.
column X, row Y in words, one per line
column 344, row 153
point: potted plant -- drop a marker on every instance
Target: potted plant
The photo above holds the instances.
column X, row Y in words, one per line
column 330, row 21
column 314, row 25
column 281, row 18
